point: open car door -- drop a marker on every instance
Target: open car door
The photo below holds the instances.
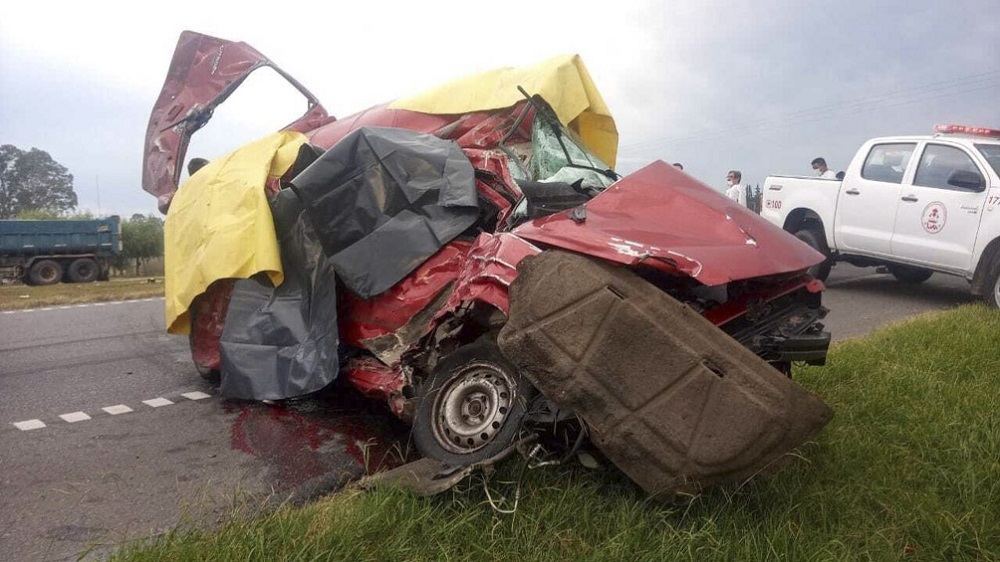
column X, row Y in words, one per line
column 203, row 73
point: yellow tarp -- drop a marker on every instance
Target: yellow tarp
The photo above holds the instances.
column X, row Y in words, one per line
column 219, row 224
column 563, row 81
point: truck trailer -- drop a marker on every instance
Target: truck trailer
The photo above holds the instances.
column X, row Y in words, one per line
column 44, row 252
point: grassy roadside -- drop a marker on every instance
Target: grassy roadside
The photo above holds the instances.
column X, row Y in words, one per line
column 19, row 297
column 908, row 469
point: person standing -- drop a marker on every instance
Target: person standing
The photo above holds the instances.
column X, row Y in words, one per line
column 736, row 192
column 819, row 166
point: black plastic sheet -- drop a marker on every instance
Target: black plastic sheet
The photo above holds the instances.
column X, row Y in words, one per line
column 282, row 342
column 384, row 200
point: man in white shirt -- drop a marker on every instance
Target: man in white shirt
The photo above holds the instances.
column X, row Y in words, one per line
column 819, row 166
column 736, row 191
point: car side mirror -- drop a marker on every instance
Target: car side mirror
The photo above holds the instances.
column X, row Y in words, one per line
column 966, row 179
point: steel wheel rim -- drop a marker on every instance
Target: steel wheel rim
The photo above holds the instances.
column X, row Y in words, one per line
column 471, row 408
column 996, row 292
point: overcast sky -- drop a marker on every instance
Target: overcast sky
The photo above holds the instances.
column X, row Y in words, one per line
column 761, row 86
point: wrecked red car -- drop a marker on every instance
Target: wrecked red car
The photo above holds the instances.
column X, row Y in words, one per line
column 482, row 269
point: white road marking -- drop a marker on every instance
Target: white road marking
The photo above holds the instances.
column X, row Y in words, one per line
column 85, row 305
column 28, row 425
column 74, row 417
column 119, row 409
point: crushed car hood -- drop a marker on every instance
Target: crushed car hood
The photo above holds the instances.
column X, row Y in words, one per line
column 664, row 218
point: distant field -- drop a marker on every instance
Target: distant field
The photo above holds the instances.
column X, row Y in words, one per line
column 19, row 297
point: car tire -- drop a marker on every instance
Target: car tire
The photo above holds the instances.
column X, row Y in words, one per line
column 45, row 272
column 816, row 241
column 992, row 293
column 83, row 270
column 471, row 407
column 910, row 275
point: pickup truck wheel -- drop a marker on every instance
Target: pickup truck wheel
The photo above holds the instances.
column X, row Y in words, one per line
column 992, row 295
column 45, row 272
column 472, row 406
column 815, row 240
column 83, row 270
column 910, row 275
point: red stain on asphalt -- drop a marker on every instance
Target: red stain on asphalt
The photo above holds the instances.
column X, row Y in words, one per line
column 300, row 448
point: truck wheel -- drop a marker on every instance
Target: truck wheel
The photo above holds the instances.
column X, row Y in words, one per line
column 909, row 274
column 83, row 270
column 472, row 406
column 816, row 241
column 45, row 272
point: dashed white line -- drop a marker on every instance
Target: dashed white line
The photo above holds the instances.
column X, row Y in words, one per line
column 74, row 417
column 28, row 425
column 119, row 409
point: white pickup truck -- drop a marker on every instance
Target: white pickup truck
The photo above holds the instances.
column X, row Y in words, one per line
column 915, row 204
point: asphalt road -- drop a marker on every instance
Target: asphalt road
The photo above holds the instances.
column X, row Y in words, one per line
column 94, row 483
column 186, row 458
column 861, row 300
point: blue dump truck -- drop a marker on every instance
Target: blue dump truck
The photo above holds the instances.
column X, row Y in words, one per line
column 43, row 252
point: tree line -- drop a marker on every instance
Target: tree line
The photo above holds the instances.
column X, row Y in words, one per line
column 34, row 186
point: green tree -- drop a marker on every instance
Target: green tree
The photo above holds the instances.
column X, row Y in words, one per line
column 142, row 239
column 32, row 181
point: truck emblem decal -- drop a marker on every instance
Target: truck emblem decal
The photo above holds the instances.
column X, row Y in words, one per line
column 934, row 217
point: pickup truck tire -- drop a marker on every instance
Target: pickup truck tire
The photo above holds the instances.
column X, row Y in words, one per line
column 910, row 275
column 816, row 241
column 471, row 407
column 45, row 272
column 83, row 270
column 992, row 293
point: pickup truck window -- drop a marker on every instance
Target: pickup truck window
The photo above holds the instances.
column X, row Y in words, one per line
column 992, row 154
column 947, row 167
column 887, row 162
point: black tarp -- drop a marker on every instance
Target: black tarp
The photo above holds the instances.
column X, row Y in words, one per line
column 282, row 342
column 384, row 200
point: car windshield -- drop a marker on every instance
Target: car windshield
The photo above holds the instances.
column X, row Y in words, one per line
column 992, row 154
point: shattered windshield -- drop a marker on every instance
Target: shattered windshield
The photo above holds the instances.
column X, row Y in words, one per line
column 566, row 161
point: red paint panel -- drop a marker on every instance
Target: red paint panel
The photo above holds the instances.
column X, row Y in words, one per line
column 383, row 314
column 377, row 381
column 489, row 269
column 209, row 311
column 660, row 214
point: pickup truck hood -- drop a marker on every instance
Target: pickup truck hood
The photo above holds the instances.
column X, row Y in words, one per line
column 664, row 218
column 203, row 73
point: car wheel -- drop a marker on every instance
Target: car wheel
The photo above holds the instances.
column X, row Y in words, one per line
column 471, row 406
column 45, row 272
column 83, row 270
column 817, row 242
column 910, row 275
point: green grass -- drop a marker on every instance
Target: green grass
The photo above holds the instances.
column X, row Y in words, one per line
column 908, row 469
column 18, row 297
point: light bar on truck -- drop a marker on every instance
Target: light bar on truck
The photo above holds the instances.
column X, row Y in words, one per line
column 978, row 131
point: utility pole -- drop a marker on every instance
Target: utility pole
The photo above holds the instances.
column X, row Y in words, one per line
column 97, row 182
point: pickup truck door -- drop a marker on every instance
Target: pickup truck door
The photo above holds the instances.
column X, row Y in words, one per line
column 937, row 217
column 866, row 205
